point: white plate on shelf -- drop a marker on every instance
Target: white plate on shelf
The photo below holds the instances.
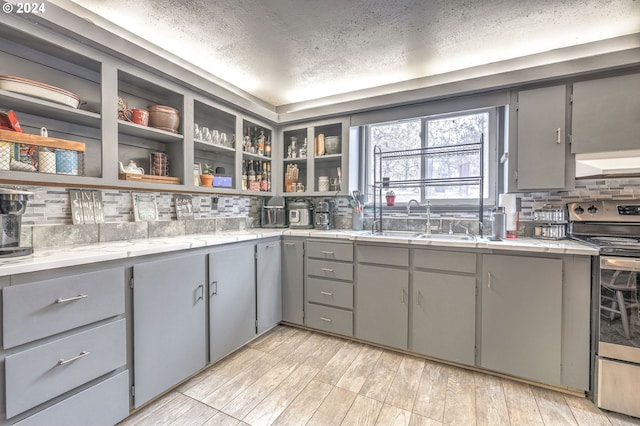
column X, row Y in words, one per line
column 39, row 90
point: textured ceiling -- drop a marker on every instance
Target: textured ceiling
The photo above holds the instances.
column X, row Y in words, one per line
column 288, row 51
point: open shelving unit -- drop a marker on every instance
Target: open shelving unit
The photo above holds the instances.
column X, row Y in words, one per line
column 380, row 184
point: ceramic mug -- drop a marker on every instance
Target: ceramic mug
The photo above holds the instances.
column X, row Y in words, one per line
column 137, row 116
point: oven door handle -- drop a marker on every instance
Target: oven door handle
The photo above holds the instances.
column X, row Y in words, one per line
column 621, row 263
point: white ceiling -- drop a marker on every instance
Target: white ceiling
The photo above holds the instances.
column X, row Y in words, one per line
column 290, row 51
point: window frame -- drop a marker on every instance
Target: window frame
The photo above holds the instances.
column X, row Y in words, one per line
column 491, row 166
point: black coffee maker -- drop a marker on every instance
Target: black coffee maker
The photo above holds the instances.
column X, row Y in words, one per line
column 13, row 203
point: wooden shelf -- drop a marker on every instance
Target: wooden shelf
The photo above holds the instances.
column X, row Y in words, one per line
column 146, row 132
column 149, row 178
column 25, row 138
column 206, row 146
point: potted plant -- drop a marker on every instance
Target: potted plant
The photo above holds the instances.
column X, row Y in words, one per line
column 391, row 198
column 207, row 175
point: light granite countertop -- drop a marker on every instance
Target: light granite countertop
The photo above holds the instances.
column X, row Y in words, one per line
column 93, row 253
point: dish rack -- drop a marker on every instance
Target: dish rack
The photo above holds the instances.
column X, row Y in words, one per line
column 382, row 183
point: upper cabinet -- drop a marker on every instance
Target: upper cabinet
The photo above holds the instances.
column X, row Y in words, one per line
column 257, row 149
column 541, row 136
column 316, row 158
column 56, row 88
column 150, row 127
column 606, row 114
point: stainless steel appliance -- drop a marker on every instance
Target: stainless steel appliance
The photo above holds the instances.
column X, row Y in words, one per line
column 300, row 214
column 324, row 210
column 13, row 203
column 498, row 224
column 614, row 228
column 274, row 213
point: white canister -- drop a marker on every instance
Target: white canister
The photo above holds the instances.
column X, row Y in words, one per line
column 323, row 183
column 46, row 161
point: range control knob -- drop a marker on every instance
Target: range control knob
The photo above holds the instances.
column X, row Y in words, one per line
column 592, row 210
column 578, row 210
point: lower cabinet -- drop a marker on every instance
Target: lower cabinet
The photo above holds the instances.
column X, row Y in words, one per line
column 444, row 316
column 232, row 299
column 293, row 281
column 522, row 317
column 382, row 305
column 268, row 285
column 169, row 317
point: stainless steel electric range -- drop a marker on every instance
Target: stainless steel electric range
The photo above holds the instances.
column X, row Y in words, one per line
column 614, row 228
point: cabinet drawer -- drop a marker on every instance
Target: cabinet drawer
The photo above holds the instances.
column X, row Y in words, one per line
column 445, row 260
column 393, row 256
column 330, row 250
column 322, row 268
column 104, row 404
column 44, row 308
column 36, row 375
column 329, row 319
column 328, row 292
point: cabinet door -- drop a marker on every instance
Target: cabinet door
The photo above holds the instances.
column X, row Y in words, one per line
column 232, row 300
column 293, row 281
column 605, row 114
column 382, row 305
column 541, row 138
column 269, row 285
column 444, row 316
column 169, row 320
column 521, row 316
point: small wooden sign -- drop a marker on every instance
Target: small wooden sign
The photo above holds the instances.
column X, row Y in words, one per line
column 145, row 207
column 184, row 206
column 86, row 206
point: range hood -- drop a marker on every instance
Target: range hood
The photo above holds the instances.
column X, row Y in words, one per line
column 608, row 164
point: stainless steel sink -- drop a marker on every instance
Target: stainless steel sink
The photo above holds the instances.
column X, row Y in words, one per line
column 396, row 234
column 446, row 237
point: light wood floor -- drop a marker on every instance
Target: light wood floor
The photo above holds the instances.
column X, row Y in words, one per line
column 297, row 377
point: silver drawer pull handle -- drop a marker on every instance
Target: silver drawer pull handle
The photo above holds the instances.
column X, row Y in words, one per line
column 289, row 244
column 325, row 319
column 75, row 358
column 71, row 299
column 327, row 269
column 326, row 293
column 327, row 252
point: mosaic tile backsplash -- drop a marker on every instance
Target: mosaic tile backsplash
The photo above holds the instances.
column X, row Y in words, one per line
column 48, row 213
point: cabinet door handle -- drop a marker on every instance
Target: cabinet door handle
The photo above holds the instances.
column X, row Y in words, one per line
column 327, row 269
column 201, row 290
column 290, row 244
column 559, row 136
column 325, row 319
column 214, row 286
column 270, row 245
column 489, row 280
column 71, row 299
column 326, row 293
column 418, row 296
column 402, row 295
column 327, row 252
column 75, row 358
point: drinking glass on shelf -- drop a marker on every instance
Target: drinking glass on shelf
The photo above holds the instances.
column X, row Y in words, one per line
column 197, row 132
column 215, row 137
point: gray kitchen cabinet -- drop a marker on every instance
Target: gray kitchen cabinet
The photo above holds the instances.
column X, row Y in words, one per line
column 541, row 138
column 232, row 299
column 444, row 316
column 605, row 114
column 268, row 285
column 521, row 329
column 293, row 281
column 169, row 321
column 382, row 305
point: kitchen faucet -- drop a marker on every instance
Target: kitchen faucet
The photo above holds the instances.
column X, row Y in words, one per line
column 409, row 205
column 428, row 217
